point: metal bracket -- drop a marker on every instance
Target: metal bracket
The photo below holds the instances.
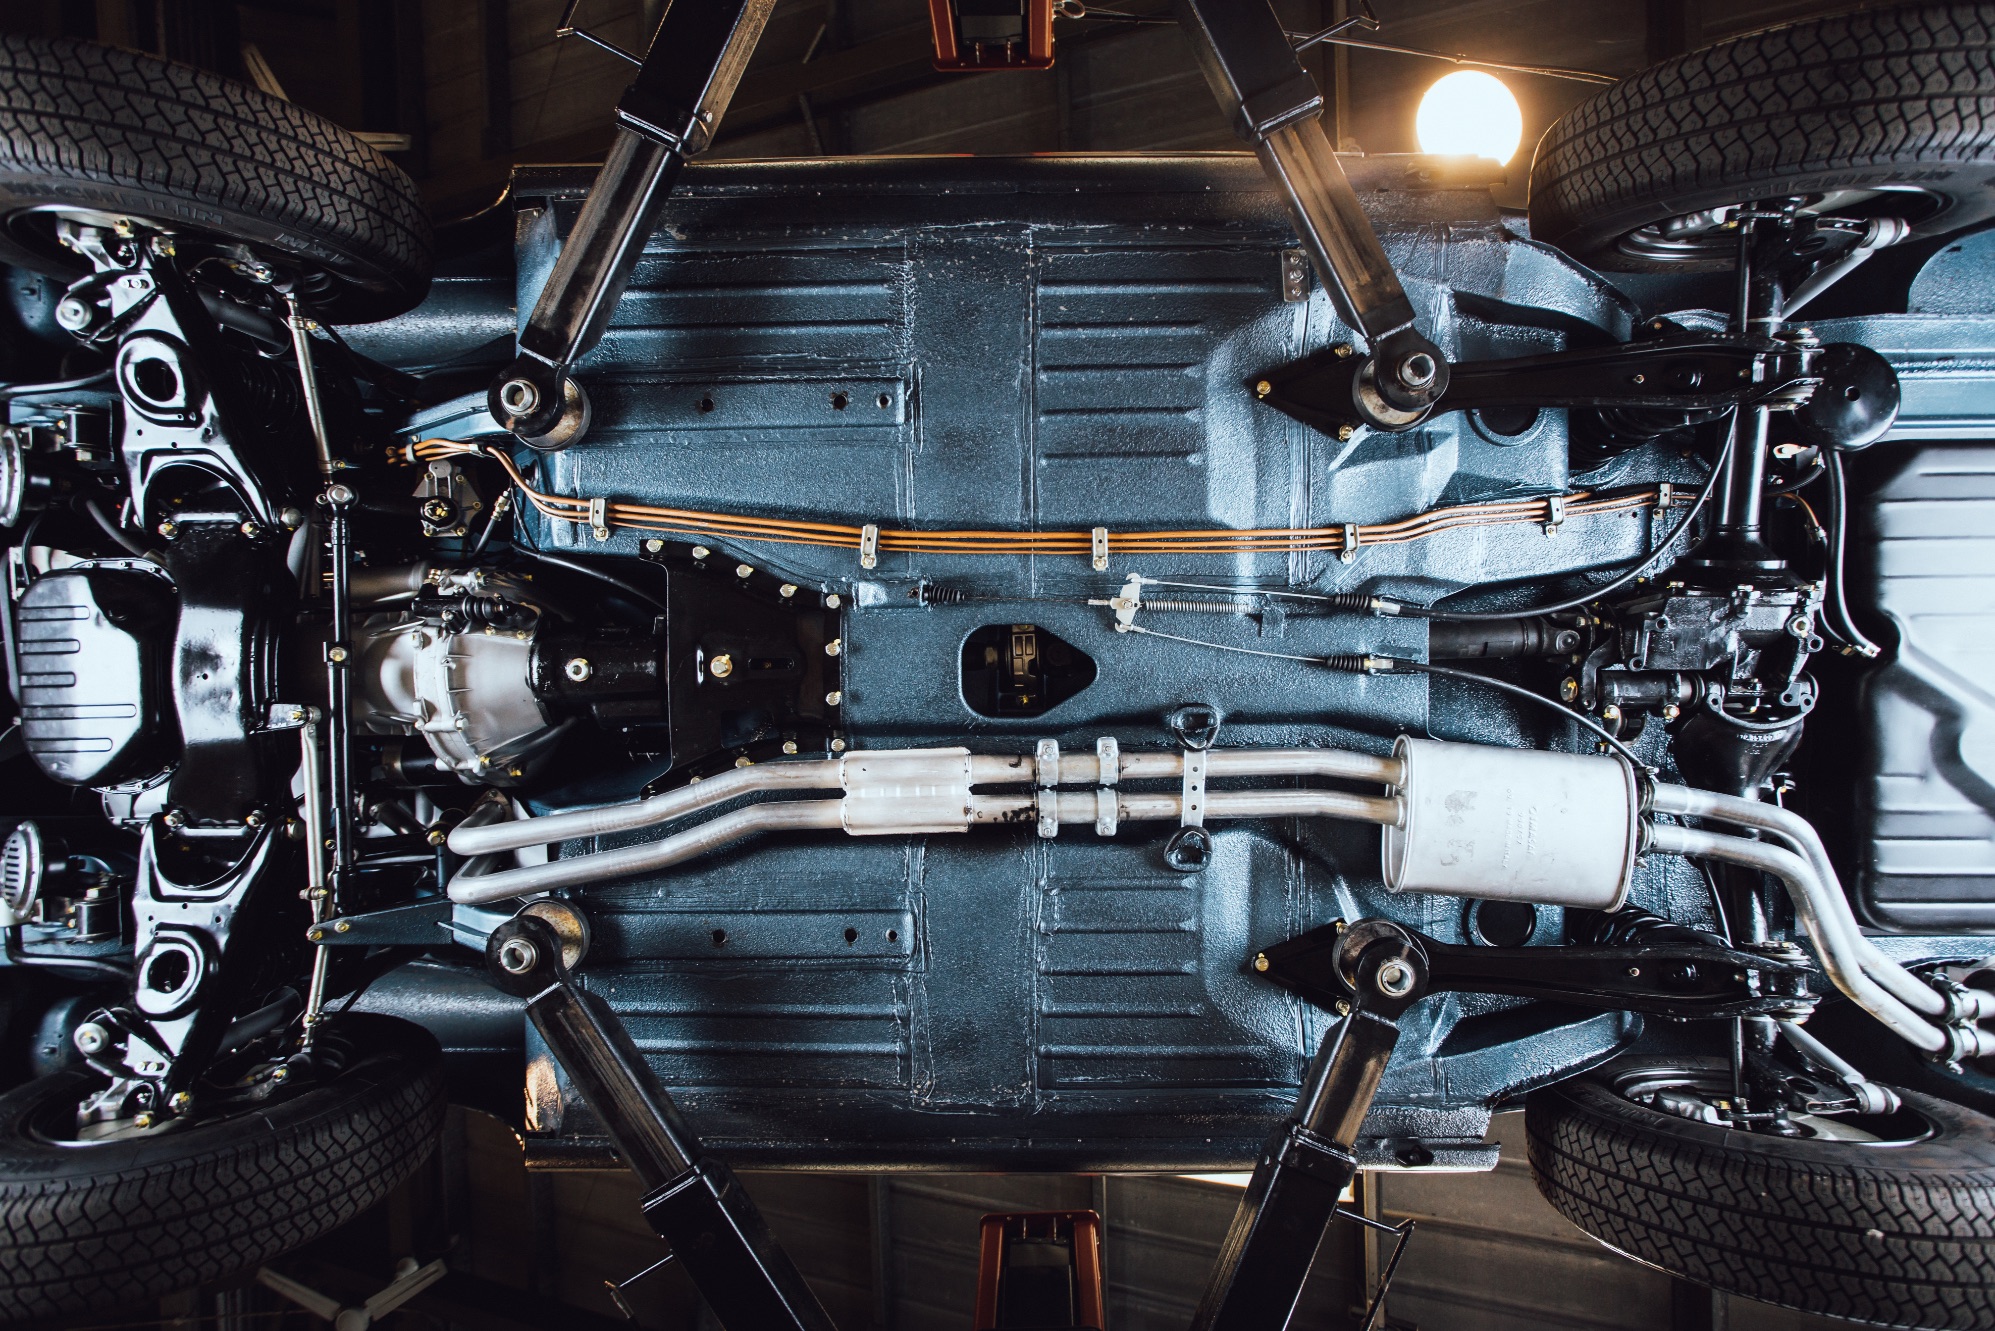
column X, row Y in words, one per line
column 599, row 518
column 869, row 545
column 1046, row 777
column 1098, row 541
column 1347, row 549
column 1108, row 760
column 1555, row 513
column 1295, row 275
column 1191, row 812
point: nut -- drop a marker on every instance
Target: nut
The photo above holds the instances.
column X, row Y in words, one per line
column 519, row 396
column 1395, row 979
column 578, row 669
column 91, row 1039
column 517, row 956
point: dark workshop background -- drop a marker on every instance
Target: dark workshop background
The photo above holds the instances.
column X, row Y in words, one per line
column 458, row 92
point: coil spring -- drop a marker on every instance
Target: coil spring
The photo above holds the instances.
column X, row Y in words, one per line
column 1200, row 605
column 270, row 389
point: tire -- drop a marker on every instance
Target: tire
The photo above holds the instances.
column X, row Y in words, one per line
column 110, row 131
column 1895, row 1235
column 1886, row 111
column 89, row 1227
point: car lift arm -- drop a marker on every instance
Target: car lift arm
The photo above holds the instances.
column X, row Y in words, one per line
column 1374, row 971
column 694, row 1202
column 1275, row 106
column 668, row 113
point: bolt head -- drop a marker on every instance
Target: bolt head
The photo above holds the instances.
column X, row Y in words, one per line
column 180, row 1102
column 744, row 570
column 1263, row 388
column 720, row 667
column 834, row 647
column 838, row 746
column 653, row 546
column 168, row 527
column 343, row 926
column 1568, row 689
column 787, row 590
column 517, row 956
column 91, row 1039
column 1345, row 434
column 1260, row 961
column 578, row 669
column 73, row 314
column 336, row 654
column 789, row 746
column 700, row 552
column 833, row 698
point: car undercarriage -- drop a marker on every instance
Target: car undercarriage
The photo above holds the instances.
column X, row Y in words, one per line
column 1010, row 664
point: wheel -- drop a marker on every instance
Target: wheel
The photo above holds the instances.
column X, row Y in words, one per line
column 93, row 131
column 92, row 1225
column 1886, row 112
column 1889, row 1220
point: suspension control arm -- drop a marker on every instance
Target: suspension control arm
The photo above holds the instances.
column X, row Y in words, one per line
column 1686, row 375
column 1673, row 972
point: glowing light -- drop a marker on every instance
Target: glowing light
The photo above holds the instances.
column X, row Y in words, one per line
column 1470, row 112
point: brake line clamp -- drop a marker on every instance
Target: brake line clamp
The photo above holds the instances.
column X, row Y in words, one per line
column 1348, row 548
column 1665, row 498
column 869, row 545
column 1555, row 513
column 1098, row 541
column 599, row 518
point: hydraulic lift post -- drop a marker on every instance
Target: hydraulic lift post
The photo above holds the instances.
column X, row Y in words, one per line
column 693, row 1201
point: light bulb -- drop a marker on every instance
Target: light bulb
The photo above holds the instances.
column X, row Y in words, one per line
column 1470, row 112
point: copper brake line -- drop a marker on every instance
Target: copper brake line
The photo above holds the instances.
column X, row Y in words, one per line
column 1548, row 511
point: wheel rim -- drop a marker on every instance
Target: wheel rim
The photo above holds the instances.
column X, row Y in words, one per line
column 1706, row 236
column 1700, row 1092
